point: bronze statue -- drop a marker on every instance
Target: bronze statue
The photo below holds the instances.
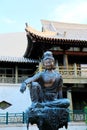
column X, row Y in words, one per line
column 46, row 88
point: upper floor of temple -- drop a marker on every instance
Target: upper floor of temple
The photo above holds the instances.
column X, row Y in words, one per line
column 61, row 38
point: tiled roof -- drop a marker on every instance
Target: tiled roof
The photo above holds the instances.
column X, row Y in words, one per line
column 17, row 59
column 54, row 25
column 61, row 34
column 54, row 34
column 47, row 34
column 53, row 37
column 66, row 30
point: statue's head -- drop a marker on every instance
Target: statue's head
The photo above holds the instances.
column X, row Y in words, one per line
column 48, row 55
column 48, row 60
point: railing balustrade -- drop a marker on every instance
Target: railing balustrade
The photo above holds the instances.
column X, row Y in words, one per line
column 70, row 72
column 77, row 115
column 20, row 118
column 12, row 118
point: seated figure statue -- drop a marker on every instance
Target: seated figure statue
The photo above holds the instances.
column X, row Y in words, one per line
column 46, row 86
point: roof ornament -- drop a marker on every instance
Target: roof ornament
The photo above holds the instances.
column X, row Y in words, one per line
column 64, row 33
column 26, row 24
column 61, row 34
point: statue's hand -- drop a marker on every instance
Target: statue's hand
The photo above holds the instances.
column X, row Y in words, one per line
column 23, row 87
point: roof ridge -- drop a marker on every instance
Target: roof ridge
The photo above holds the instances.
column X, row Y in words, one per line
column 49, row 21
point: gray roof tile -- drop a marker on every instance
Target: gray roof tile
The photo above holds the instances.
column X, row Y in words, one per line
column 17, row 59
column 66, row 30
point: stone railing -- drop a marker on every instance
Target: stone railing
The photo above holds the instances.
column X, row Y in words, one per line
column 5, row 79
column 67, row 73
column 74, row 75
column 73, row 71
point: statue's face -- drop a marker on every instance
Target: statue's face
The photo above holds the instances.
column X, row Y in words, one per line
column 48, row 64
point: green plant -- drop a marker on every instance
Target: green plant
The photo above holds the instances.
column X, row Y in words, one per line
column 85, row 111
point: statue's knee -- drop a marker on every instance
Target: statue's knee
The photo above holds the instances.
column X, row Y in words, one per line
column 35, row 85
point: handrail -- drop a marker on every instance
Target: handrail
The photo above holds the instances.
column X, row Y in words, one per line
column 17, row 118
column 73, row 72
column 12, row 118
column 69, row 72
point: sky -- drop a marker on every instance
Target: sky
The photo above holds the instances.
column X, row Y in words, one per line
column 15, row 13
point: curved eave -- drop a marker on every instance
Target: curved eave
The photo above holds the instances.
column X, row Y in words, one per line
column 57, row 41
column 50, row 37
column 37, row 40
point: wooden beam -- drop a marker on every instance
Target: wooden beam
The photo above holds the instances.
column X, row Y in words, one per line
column 77, row 53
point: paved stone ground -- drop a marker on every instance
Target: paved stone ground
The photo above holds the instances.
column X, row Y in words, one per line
column 71, row 126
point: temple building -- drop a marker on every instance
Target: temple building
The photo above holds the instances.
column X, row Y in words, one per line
column 68, row 42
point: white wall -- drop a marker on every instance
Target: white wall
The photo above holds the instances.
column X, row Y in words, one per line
column 11, row 93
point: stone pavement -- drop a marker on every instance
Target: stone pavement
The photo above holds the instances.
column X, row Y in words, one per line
column 71, row 126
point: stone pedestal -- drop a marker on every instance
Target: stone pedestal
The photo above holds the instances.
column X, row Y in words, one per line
column 47, row 118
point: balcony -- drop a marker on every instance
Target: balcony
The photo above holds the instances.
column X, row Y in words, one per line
column 74, row 74
column 70, row 75
column 9, row 79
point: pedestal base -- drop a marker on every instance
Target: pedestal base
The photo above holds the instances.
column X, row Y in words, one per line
column 47, row 118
